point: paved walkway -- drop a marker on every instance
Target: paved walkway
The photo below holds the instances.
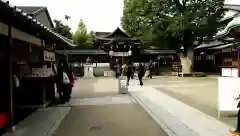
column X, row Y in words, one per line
column 96, row 109
column 198, row 92
column 175, row 117
column 41, row 123
column 104, row 112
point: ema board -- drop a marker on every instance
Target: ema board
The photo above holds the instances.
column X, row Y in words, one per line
column 228, row 90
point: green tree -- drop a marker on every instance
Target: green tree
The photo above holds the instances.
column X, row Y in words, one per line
column 81, row 37
column 175, row 24
column 62, row 29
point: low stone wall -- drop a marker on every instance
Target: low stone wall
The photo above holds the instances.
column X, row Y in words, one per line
column 97, row 71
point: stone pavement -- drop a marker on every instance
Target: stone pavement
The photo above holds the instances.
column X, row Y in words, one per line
column 104, row 112
column 198, row 92
column 41, row 122
column 96, row 109
column 176, row 117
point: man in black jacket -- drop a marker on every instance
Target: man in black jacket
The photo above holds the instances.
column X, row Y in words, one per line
column 141, row 72
column 68, row 87
column 150, row 68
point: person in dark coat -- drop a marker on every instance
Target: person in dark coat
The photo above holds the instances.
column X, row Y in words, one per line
column 59, row 80
column 141, row 71
column 118, row 68
column 129, row 70
column 68, row 87
column 238, row 116
column 150, row 68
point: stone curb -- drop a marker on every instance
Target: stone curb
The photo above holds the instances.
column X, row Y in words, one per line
column 167, row 130
column 58, row 122
column 174, row 116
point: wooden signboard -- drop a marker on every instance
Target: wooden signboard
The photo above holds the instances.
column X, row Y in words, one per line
column 176, row 68
column 48, row 56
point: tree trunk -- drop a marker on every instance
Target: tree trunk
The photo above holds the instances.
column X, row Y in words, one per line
column 187, row 61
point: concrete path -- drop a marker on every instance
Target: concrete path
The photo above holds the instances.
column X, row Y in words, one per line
column 108, row 120
column 175, row 117
column 104, row 112
column 41, row 123
column 95, row 109
column 198, row 92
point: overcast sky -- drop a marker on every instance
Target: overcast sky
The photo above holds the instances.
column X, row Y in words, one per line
column 98, row 15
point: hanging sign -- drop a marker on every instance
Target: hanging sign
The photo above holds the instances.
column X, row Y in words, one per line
column 48, row 56
column 124, row 54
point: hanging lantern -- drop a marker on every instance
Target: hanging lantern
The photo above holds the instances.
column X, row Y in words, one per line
column 130, row 53
column 111, row 53
column 30, row 47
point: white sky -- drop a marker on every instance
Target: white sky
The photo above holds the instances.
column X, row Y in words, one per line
column 98, row 15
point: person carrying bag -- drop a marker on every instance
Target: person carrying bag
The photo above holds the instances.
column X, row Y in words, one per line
column 65, row 78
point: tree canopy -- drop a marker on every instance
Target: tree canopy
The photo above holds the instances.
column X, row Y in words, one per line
column 81, row 37
column 62, row 29
column 172, row 23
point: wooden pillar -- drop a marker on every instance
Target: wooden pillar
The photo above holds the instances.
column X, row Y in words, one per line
column 8, row 54
column 238, row 61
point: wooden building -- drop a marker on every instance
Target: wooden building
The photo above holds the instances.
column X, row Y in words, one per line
column 220, row 56
column 214, row 57
column 25, row 45
column 108, row 46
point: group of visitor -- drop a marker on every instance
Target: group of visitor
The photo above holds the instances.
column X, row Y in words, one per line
column 129, row 69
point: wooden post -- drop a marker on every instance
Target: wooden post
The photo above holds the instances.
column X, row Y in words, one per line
column 10, row 79
column 238, row 60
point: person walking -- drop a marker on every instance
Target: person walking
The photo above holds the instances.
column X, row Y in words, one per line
column 59, row 80
column 129, row 70
column 141, row 71
column 238, row 115
column 68, row 86
column 150, row 68
column 118, row 68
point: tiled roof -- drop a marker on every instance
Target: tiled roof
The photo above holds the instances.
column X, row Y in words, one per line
column 232, row 7
column 82, row 51
column 102, row 52
column 101, row 34
column 118, row 33
column 32, row 20
column 231, row 25
column 221, row 46
column 158, row 51
column 210, row 44
column 30, row 9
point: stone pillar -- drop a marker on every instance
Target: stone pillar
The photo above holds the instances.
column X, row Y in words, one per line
column 88, row 71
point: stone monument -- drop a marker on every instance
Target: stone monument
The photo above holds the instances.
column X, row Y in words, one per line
column 88, row 68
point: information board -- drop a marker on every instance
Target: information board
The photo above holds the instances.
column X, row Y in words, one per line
column 176, row 68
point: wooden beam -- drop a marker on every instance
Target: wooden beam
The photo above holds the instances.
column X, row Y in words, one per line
column 20, row 35
column 3, row 29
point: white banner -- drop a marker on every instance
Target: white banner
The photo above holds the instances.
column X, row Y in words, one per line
column 228, row 90
column 119, row 54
